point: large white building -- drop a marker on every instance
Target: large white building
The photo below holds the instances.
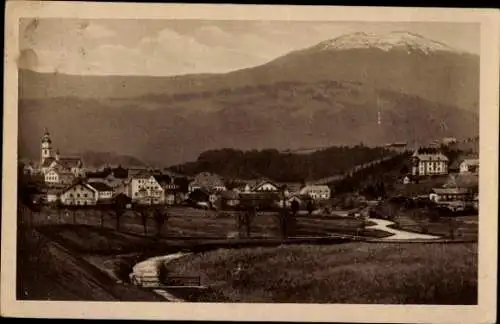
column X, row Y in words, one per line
column 143, row 188
column 317, row 192
column 429, row 162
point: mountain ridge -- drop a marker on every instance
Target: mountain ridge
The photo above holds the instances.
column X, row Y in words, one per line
column 384, row 41
column 304, row 98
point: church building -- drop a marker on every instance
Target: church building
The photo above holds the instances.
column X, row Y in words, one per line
column 56, row 163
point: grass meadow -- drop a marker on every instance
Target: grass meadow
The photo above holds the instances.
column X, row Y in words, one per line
column 363, row 273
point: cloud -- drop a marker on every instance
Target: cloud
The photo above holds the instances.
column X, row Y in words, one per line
column 91, row 47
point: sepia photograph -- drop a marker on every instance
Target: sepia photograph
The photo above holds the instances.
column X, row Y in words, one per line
column 161, row 155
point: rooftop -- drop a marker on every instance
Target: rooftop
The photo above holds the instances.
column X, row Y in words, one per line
column 100, row 186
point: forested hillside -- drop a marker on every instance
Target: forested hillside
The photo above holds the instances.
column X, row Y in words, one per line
column 287, row 167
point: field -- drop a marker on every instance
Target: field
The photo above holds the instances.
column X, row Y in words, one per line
column 460, row 227
column 189, row 223
column 385, row 273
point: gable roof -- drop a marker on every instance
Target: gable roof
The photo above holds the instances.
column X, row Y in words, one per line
column 429, row 154
column 70, row 162
column 47, row 162
column 84, row 185
column 262, row 182
column 316, row 187
column 100, row 186
column 450, row 191
column 61, row 173
column 163, row 179
column 474, row 162
column 119, row 172
column 140, row 174
column 97, row 174
column 259, row 195
column 207, row 179
column 431, row 157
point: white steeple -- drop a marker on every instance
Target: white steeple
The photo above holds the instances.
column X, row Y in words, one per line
column 46, row 147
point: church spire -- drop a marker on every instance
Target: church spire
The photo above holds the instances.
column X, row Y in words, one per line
column 45, row 147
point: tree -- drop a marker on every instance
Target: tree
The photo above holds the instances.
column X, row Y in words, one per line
column 295, row 206
column 102, row 212
column 246, row 217
column 119, row 210
column 143, row 213
column 310, row 207
column 160, row 215
column 287, row 222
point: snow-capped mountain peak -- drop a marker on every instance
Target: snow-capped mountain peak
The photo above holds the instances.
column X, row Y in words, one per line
column 386, row 42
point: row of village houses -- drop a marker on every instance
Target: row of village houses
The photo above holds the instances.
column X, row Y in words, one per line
column 70, row 183
column 155, row 187
column 144, row 186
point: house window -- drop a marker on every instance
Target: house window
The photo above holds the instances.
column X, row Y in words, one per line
column 85, row 195
column 78, row 195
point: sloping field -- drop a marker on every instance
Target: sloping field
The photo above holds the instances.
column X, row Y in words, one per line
column 386, row 273
column 47, row 271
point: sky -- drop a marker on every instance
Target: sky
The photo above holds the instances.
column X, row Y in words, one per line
column 176, row 47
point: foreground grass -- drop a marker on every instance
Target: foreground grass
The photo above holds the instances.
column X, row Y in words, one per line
column 348, row 273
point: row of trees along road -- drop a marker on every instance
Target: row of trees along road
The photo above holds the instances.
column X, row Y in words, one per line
column 286, row 217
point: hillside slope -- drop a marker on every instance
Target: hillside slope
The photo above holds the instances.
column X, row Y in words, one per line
column 170, row 130
column 329, row 94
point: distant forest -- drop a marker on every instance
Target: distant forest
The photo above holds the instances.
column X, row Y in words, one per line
column 279, row 166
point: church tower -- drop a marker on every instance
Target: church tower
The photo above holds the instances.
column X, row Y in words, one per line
column 46, row 147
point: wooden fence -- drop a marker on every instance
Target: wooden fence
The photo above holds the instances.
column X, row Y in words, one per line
column 155, row 282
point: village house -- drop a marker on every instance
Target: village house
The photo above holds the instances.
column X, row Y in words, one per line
column 208, row 181
column 291, row 188
column 259, row 185
column 52, row 195
column 113, row 177
column 230, row 198
column 426, row 162
column 469, row 165
column 103, row 192
column 460, row 187
column 29, row 169
column 408, row 179
column 79, row 194
column 265, row 186
column 316, row 192
column 59, row 176
column 143, row 188
column 261, row 200
column 449, row 194
column 300, row 198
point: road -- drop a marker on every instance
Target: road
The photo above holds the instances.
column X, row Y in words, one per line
column 382, row 224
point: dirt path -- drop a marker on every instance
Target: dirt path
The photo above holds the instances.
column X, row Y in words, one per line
column 151, row 268
column 382, row 225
